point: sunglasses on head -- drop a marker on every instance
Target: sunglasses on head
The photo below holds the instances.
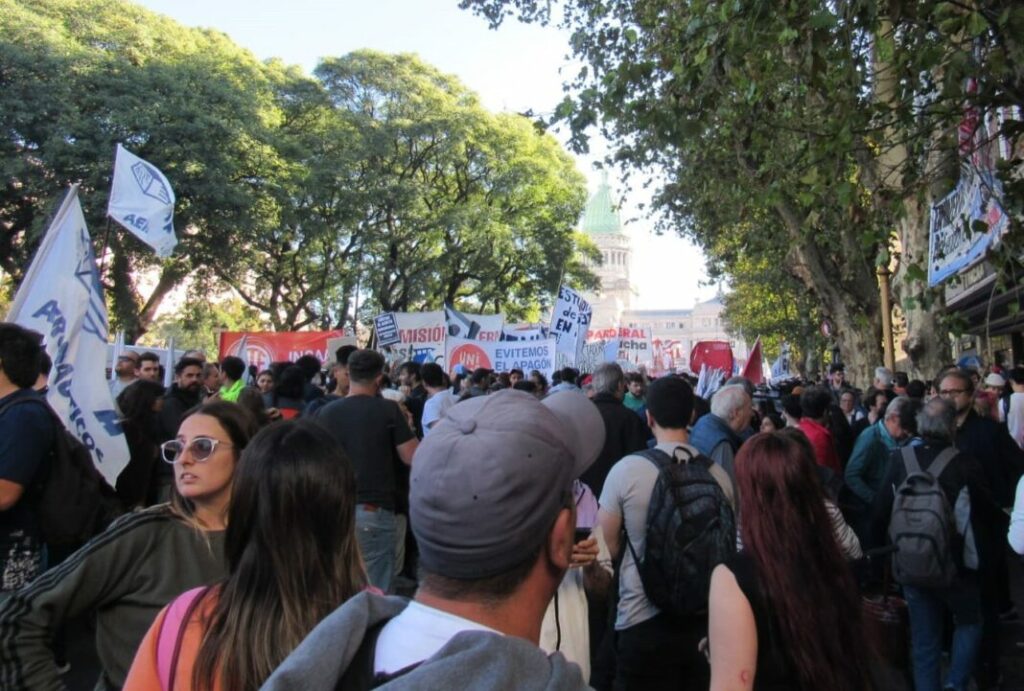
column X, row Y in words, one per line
column 201, row 448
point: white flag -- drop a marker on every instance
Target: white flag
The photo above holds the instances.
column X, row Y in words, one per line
column 570, row 320
column 61, row 298
column 142, row 201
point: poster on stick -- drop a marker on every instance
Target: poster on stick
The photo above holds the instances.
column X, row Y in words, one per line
column 421, row 337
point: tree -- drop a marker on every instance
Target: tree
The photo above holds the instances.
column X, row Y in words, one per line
column 196, row 323
column 831, row 118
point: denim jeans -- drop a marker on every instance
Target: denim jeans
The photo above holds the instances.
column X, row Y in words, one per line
column 375, row 530
column 927, row 616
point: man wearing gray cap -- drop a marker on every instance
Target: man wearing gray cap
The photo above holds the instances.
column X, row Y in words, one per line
column 493, row 514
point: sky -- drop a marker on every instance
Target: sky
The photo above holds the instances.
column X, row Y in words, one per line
column 515, row 68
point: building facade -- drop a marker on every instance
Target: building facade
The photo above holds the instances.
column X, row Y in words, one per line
column 673, row 331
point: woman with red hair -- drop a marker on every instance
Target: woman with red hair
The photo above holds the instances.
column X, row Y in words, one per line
column 785, row 611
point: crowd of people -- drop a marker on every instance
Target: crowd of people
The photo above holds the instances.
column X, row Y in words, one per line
column 396, row 525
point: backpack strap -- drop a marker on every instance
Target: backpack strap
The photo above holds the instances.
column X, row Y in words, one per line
column 910, row 463
column 172, row 633
column 941, row 461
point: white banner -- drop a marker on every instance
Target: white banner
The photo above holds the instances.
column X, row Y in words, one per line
column 61, row 298
column 569, row 321
column 502, row 356
column 954, row 244
column 476, row 327
column 421, row 337
column 635, row 345
column 141, row 199
column 523, row 332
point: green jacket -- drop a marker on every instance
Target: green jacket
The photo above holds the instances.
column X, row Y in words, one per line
column 125, row 575
column 230, row 393
column 869, row 461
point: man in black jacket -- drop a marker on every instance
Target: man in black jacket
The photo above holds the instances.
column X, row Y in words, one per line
column 183, row 395
column 1002, row 462
column 625, row 432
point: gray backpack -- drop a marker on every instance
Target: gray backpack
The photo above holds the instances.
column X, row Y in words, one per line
column 922, row 525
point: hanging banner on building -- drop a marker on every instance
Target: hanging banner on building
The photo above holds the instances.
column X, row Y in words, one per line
column 954, row 244
column 478, row 327
column 386, row 327
column 261, row 348
column 570, row 321
column 502, row 356
column 421, row 337
column 61, row 298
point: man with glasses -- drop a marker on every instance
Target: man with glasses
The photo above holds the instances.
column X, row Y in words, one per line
column 1002, row 463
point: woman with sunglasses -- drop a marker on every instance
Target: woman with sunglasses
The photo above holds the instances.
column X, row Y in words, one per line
column 125, row 575
column 293, row 558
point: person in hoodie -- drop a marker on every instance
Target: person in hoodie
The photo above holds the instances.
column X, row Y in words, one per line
column 492, row 509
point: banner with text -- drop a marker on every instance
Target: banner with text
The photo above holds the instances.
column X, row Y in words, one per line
column 386, row 327
column 61, row 298
column 477, row 327
column 954, row 242
column 421, row 337
column 502, row 356
column 261, row 348
column 570, row 321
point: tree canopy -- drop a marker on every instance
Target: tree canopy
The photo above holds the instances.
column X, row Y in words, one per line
column 815, row 132
column 377, row 181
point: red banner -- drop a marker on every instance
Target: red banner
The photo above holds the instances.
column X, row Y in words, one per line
column 714, row 354
column 264, row 347
column 754, row 369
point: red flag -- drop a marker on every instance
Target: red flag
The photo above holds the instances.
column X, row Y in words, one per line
column 754, row 369
column 714, row 354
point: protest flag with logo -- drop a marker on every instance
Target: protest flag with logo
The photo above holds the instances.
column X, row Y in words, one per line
column 62, row 299
column 141, row 200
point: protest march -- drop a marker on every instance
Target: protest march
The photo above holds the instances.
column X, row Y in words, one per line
column 337, row 375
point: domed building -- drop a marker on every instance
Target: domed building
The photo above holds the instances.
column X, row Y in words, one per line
column 673, row 332
column 602, row 224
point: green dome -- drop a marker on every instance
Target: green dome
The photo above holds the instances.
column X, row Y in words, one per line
column 600, row 216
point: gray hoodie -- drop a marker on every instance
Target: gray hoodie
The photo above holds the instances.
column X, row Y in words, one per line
column 470, row 660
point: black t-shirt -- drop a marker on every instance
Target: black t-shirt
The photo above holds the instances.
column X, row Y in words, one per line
column 26, row 444
column 368, row 429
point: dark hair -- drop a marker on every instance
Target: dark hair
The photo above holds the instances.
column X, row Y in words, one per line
column 525, row 385
column 539, row 379
column 963, row 375
column 701, row 407
column 342, row 354
column 266, row 371
column 411, row 367
column 488, row 590
column 907, row 412
column 670, row 402
column 481, row 375
column 901, row 379
column 291, row 383
column 137, row 399
column 364, row 366
column 291, row 550
column 787, row 531
column 635, row 378
column 1016, row 375
column 916, row 389
column 21, row 353
column 187, row 362
column 570, row 375
column 836, row 367
column 309, row 364
column 432, row 375
column 516, row 370
column 277, row 369
column 791, row 404
column 251, row 399
column 45, row 364
column 777, row 421
column 149, row 356
column 815, row 401
column 233, row 366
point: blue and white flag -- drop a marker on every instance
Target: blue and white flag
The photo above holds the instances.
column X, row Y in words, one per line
column 61, row 298
column 141, row 199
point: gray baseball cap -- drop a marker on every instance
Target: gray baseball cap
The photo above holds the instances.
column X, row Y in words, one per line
column 489, row 480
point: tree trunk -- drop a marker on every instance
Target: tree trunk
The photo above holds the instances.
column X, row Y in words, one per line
column 170, row 276
column 123, row 297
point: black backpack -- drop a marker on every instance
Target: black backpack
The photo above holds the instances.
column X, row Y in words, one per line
column 71, row 499
column 690, row 530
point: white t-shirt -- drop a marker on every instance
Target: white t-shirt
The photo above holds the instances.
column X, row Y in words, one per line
column 435, row 408
column 627, row 493
column 417, row 634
